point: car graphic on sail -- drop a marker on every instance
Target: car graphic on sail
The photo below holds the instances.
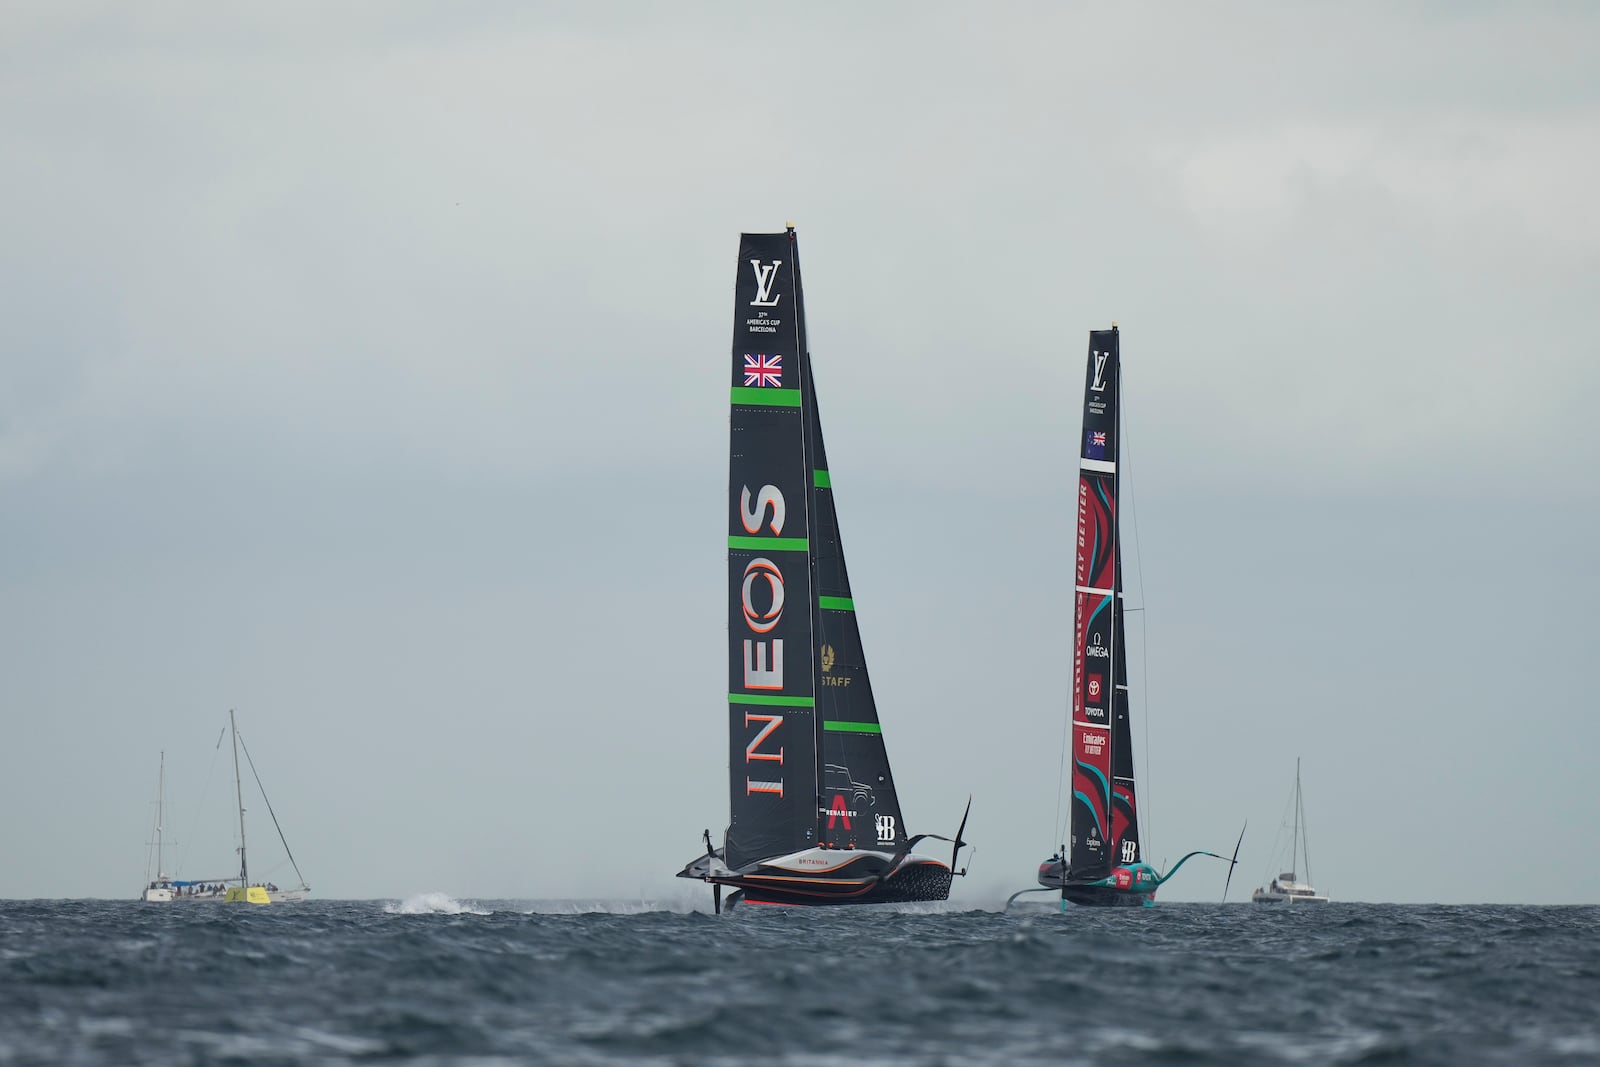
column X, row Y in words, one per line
column 836, row 781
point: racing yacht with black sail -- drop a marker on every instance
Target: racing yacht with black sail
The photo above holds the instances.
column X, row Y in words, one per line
column 1104, row 865
column 814, row 814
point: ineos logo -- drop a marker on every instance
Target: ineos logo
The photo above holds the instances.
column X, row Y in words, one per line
column 762, row 568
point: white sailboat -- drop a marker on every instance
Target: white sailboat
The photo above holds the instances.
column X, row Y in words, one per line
column 232, row 890
column 1287, row 887
column 158, row 889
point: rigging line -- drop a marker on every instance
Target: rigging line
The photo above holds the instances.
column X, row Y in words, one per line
column 1305, row 831
column 205, row 791
column 1061, row 774
column 1276, row 856
column 1144, row 602
column 1305, row 836
column 1294, row 855
column 150, row 845
column 1058, row 835
column 270, row 812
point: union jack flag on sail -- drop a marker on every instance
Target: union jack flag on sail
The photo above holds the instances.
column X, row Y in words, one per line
column 763, row 370
column 1094, row 443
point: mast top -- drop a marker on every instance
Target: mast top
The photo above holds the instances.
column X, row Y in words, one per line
column 1113, row 324
column 789, row 226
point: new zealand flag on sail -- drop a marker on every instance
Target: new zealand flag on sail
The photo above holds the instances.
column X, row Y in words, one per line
column 1094, row 444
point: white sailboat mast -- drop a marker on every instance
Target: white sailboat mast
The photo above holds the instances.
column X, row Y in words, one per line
column 161, row 803
column 238, row 790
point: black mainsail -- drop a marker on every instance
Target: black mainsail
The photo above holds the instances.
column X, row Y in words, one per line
column 771, row 703
column 1097, row 615
column 814, row 814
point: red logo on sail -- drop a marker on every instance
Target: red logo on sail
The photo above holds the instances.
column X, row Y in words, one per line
column 1097, row 685
column 763, row 370
column 837, row 810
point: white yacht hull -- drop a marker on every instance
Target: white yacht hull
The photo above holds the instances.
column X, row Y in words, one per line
column 1306, row 896
column 186, row 894
column 220, row 894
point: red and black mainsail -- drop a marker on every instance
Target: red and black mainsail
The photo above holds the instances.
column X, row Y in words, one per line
column 1105, row 827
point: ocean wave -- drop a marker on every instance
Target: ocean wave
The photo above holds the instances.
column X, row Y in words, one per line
column 633, row 982
column 608, row 907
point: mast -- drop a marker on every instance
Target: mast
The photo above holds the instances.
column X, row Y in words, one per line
column 161, row 798
column 1294, row 850
column 808, row 447
column 160, row 815
column 1115, row 604
column 238, row 790
column 1125, row 841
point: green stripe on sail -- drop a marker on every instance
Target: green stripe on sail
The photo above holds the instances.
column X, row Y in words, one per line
column 835, row 726
column 769, row 544
column 772, row 701
column 759, row 397
column 836, row 603
column 821, row 480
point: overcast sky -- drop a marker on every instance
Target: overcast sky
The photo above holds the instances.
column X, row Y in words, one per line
column 363, row 368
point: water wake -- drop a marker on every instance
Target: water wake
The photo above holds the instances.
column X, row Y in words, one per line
column 434, row 904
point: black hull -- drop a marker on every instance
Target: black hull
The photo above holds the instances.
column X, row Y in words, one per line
column 910, row 883
column 1053, row 874
column 1107, row 897
column 825, row 877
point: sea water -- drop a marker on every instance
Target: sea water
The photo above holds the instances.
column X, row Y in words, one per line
column 434, row 980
